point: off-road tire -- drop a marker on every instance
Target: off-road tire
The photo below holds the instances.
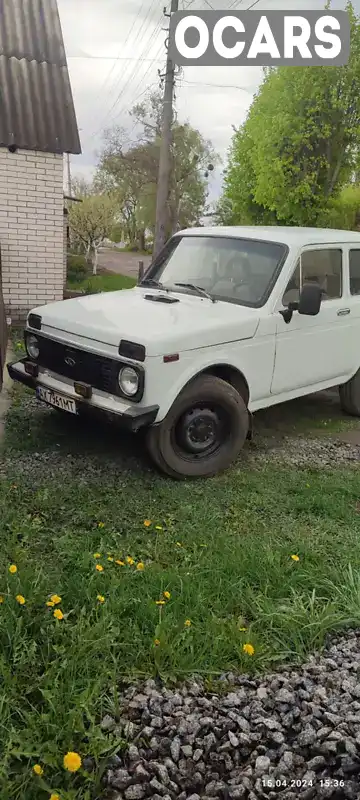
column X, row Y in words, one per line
column 203, row 389
column 350, row 396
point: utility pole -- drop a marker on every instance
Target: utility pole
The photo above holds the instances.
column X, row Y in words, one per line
column 163, row 185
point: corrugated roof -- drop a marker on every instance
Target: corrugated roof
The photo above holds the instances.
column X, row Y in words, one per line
column 36, row 104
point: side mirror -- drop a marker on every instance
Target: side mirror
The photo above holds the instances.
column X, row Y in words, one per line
column 310, row 300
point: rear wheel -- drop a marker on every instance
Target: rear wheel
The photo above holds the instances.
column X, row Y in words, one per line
column 203, row 432
column 350, row 396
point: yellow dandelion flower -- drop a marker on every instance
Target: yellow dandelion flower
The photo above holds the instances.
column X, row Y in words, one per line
column 97, row 555
column 120, row 563
column 38, row 769
column 130, row 561
column 167, row 595
column 248, row 649
column 58, row 614
column 187, row 623
column 178, row 544
column 140, row 566
column 147, row 523
column 54, row 797
column 160, row 602
column 101, row 524
column 20, row 599
column 295, row 558
column 72, row 762
column 55, row 599
column 158, row 527
column 50, row 604
column 12, row 569
column 110, row 558
column 157, row 642
column 242, row 630
column 100, row 598
column 99, row 568
column 2, row 598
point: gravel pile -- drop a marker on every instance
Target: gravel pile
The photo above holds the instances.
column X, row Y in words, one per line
column 287, row 735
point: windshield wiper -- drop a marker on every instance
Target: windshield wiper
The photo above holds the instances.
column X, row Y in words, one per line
column 197, row 289
column 154, row 283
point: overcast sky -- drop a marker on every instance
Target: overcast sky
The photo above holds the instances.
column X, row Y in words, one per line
column 115, row 49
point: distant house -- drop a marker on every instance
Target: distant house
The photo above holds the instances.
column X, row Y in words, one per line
column 37, row 126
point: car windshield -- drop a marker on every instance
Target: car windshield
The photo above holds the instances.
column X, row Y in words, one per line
column 233, row 270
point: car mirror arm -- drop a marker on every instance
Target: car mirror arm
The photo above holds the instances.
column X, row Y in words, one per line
column 287, row 313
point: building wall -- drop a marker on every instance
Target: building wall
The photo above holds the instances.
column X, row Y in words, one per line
column 31, row 230
column 66, row 225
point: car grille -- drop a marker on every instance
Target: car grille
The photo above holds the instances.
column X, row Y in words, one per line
column 98, row 371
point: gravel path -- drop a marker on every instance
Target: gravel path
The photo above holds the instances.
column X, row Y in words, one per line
column 288, row 735
column 130, row 455
column 83, row 451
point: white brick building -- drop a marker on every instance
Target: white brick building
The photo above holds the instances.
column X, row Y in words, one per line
column 37, row 126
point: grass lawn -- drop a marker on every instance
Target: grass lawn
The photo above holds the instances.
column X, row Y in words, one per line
column 105, row 282
column 222, row 549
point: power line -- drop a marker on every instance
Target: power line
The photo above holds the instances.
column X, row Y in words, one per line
column 121, row 77
column 107, row 79
column 131, row 75
column 135, row 70
column 111, row 58
column 137, row 86
column 216, row 85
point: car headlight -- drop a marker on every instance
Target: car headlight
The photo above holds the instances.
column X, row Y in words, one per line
column 32, row 346
column 128, row 381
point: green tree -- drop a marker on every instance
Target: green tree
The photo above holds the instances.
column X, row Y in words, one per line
column 92, row 220
column 131, row 171
column 344, row 212
column 299, row 144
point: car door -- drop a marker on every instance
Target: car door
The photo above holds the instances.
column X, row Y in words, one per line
column 354, row 303
column 315, row 350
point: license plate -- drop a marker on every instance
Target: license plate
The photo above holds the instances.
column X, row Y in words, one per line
column 56, row 400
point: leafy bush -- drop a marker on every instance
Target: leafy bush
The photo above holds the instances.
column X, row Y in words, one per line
column 77, row 268
column 116, row 234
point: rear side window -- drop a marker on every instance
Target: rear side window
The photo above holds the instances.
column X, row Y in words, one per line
column 354, row 264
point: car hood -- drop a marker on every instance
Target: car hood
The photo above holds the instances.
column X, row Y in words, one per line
column 191, row 323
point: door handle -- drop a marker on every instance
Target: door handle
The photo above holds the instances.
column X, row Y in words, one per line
column 343, row 311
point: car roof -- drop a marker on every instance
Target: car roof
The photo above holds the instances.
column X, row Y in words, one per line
column 290, row 236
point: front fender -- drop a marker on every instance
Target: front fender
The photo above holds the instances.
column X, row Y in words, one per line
column 191, row 368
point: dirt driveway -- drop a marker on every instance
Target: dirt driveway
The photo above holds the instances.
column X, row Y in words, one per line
column 122, row 263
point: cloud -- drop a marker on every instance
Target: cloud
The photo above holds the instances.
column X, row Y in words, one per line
column 115, row 50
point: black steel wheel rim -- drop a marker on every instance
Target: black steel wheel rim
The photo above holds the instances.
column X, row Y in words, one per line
column 201, row 431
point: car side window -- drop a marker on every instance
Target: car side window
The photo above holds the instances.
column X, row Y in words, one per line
column 323, row 267
column 354, row 264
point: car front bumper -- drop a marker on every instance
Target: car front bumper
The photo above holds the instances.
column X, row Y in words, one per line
column 130, row 417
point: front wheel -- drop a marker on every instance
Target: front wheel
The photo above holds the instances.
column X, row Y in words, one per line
column 202, row 433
